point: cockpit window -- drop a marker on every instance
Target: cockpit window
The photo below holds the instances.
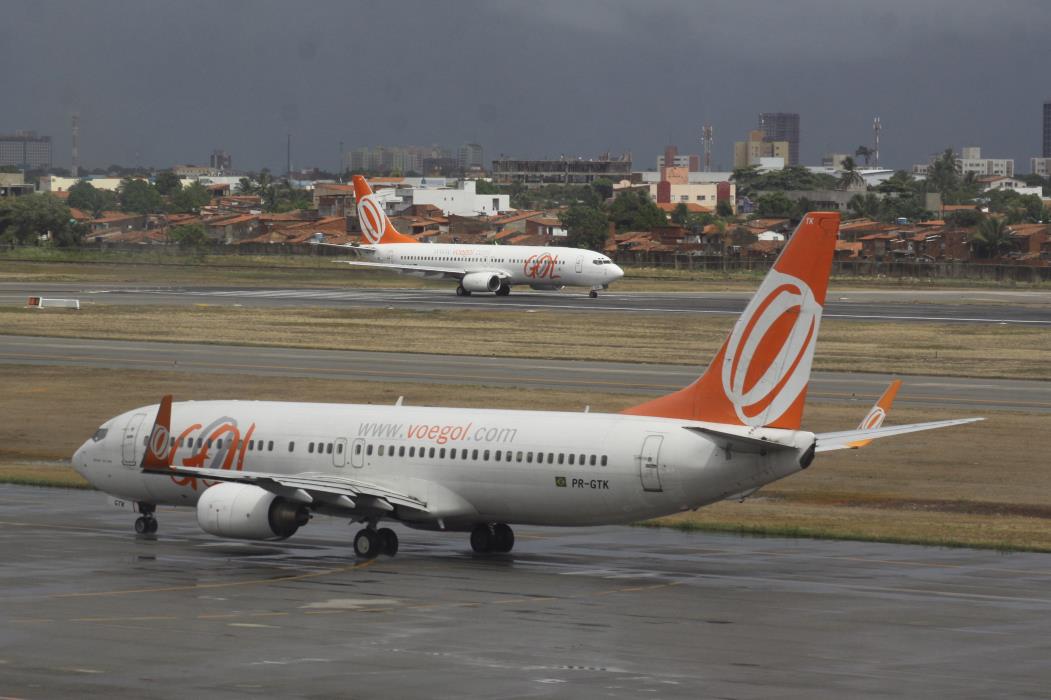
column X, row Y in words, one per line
column 602, row 261
column 99, row 434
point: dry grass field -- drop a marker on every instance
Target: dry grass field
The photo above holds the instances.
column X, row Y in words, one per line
column 979, row 350
column 986, row 484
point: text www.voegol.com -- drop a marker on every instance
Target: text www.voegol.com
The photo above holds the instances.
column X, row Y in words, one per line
column 439, row 434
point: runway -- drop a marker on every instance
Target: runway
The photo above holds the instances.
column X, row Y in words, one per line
column 1030, row 308
column 89, row 609
column 1002, row 394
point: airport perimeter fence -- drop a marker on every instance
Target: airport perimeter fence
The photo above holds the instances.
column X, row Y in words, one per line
column 714, row 265
column 892, row 269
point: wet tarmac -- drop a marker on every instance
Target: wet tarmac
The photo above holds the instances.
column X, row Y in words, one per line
column 89, row 609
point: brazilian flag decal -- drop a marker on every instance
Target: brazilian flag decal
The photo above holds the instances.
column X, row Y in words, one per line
column 560, row 481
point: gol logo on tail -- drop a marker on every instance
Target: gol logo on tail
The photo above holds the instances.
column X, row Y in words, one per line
column 768, row 355
column 371, row 218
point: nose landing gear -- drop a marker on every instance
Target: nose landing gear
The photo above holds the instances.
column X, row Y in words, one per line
column 146, row 524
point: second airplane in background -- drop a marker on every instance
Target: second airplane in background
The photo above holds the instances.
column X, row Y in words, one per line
column 477, row 268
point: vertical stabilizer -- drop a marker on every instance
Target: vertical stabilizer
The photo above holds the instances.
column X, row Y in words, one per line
column 760, row 375
column 375, row 226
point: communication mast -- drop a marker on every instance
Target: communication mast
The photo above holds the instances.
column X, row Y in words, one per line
column 876, row 127
column 75, row 164
column 706, row 140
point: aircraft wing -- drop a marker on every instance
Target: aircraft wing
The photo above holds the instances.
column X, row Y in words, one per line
column 848, row 439
column 309, row 487
column 448, row 272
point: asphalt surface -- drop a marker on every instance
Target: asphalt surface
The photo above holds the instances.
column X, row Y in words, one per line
column 956, row 306
column 977, row 394
column 89, row 609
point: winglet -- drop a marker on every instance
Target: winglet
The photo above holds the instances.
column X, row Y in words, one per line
column 158, row 447
column 375, row 226
column 875, row 417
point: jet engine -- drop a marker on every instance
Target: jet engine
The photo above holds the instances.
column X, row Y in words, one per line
column 480, row 282
column 249, row 513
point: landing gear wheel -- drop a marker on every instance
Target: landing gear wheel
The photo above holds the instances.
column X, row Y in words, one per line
column 482, row 539
column 503, row 538
column 388, row 541
column 142, row 526
column 504, row 290
column 366, row 544
column 152, row 525
column 593, row 294
column 461, row 292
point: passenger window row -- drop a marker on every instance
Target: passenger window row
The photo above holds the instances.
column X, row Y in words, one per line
column 320, row 447
column 196, row 443
column 517, row 456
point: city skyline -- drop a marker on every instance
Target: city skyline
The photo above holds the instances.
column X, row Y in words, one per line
column 523, row 79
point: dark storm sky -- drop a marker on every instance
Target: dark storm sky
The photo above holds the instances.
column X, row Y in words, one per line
column 163, row 83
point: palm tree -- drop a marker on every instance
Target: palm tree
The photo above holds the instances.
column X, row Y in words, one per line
column 991, row 237
column 850, row 177
column 864, row 206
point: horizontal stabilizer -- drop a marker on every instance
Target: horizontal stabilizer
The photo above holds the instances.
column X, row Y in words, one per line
column 846, row 439
column 740, row 443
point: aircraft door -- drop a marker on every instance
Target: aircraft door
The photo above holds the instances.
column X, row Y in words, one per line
column 357, row 453
column 580, row 264
column 339, row 455
column 131, row 434
column 649, row 463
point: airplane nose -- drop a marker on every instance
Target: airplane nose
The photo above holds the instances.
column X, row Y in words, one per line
column 617, row 272
column 80, row 459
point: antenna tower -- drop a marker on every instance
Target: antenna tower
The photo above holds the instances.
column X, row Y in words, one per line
column 75, row 163
column 706, row 139
column 876, row 127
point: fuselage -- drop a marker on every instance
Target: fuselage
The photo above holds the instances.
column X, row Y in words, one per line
column 468, row 465
column 538, row 266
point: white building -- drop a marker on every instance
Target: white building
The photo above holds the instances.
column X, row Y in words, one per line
column 54, row 183
column 999, row 182
column 461, row 200
column 970, row 161
column 1040, row 166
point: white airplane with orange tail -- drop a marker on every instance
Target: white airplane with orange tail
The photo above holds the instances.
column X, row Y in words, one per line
column 477, row 268
column 261, row 470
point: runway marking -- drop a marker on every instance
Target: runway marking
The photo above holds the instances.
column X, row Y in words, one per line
column 219, row 584
column 402, row 297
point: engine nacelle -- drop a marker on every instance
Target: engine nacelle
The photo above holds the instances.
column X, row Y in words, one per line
column 249, row 513
column 480, row 282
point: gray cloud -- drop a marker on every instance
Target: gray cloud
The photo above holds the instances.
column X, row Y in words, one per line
column 160, row 83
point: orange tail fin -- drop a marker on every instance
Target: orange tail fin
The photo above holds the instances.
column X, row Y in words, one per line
column 375, row 226
column 159, row 448
column 760, row 375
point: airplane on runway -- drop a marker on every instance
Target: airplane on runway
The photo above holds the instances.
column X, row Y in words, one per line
column 261, row 470
column 477, row 268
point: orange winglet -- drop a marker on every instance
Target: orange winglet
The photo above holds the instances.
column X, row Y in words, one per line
column 158, row 447
column 760, row 375
column 375, row 226
column 875, row 417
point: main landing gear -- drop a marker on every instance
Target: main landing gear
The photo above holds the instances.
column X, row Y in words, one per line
column 369, row 543
column 498, row 537
column 461, row 292
column 146, row 524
